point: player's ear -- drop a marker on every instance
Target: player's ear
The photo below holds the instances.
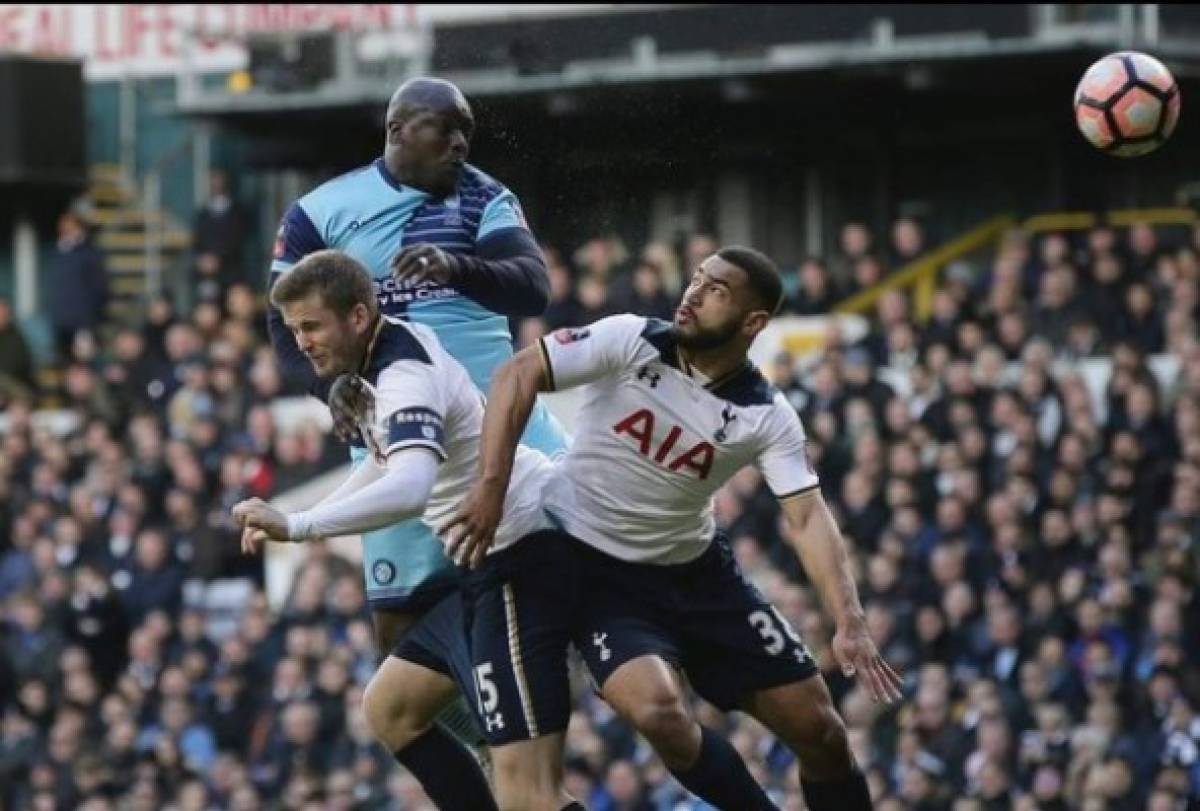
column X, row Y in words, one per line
column 360, row 317
column 755, row 322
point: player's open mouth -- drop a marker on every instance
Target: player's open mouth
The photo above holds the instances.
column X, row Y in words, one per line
column 685, row 314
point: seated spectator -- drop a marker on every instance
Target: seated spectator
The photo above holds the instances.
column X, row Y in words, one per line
column 1140, row 323
column 564, row 310
column 155, row 581
column 908, row 241
column 816, row 293
column 854, row 242
column 642, row 292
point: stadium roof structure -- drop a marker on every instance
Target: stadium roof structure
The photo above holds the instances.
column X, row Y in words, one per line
column 653, row 44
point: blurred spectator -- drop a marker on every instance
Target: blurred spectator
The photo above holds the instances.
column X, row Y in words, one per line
column 642, row 292
column 1055, row 309
column 854, row 243
column 1027, row 550
column 219, row 235
column 563, row 310
column 865, row 273
column 154, row 582
column 77, row 284
column 698, row 247
column 593, row 300
column 17, row 378
column 601, row 258
column 1140, row 324
column 663, row 257
column 1143, row 250
column 816, row 293
column 908, row 241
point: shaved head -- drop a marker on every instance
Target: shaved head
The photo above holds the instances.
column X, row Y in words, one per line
column 429, row 126
column 427, row 93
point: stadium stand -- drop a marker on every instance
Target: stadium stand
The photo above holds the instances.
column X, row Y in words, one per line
column 1027, row 551
column 989, row 334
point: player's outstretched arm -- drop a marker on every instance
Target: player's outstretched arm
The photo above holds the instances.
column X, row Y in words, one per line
column 391, row 496
column 515, row 387
column 822, row 551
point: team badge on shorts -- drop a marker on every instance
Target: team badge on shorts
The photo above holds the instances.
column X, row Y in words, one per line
column 383, row 572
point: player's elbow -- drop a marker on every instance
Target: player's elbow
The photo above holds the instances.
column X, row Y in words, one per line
column 541, row 288
column 513, row 382
column 528, row 371
column 537, row 295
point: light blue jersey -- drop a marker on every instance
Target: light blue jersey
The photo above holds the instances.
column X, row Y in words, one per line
column 369, row 215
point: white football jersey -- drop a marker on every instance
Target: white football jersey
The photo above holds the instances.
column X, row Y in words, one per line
column 652, row 443
column 425, row 398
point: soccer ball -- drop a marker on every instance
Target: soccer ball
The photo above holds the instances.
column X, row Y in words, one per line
column 1127, row 104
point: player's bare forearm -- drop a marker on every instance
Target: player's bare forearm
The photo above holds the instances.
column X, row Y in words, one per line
column 823, row 554
column 514, row 391
column 822, row 551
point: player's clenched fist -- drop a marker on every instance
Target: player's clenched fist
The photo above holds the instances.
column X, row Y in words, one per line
column 423, row 263
column 259, row 522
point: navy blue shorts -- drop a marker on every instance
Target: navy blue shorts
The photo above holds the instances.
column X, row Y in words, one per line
column 438, row 640
column 504, row 638
column 703, row 616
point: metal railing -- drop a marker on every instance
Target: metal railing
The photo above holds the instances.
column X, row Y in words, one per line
column 921, row 276
column 155, row 219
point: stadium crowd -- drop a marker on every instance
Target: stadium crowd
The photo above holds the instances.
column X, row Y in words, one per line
column 1028, row 552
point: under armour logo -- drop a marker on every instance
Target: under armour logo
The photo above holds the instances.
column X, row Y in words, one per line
column 646, row 373
column 727, row 416
column 493, row 722
column 598, row 641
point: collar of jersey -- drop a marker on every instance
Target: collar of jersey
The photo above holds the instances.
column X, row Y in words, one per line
column 389, row 178
column 716, row 383
column 395, row 183
column 366, row 361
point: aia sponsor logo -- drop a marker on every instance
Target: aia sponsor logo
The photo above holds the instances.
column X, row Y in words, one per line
column 697, row 459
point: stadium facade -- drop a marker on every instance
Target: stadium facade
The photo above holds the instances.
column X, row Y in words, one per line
column 763, row 123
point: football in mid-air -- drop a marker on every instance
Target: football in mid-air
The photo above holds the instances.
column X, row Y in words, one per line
column 1127, row 104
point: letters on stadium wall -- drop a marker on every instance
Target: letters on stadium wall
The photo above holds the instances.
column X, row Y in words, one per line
column 115, row 39
column 156, row 39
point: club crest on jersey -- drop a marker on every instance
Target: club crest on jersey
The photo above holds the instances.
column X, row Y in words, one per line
column 569, row 336
column 383, row 572
column 727, row 416
column 646, row 374
column 640, row 426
